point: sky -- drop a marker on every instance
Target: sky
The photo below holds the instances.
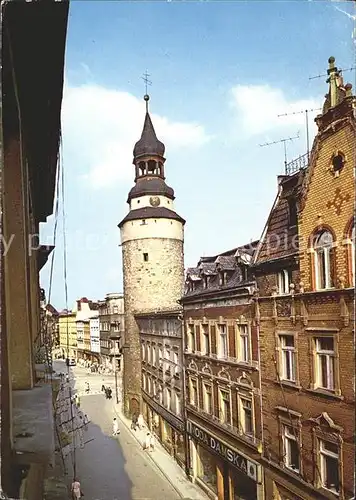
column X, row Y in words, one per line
column 221, row 74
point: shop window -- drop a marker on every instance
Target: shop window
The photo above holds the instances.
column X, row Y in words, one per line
column 246, row 419
column 325, row 363
column 205, row 340
column 222, row 338
column 208, row 398
column 207, row 469
column 291, row 448
column 324, row 261
column 284, row 280
column 329, row 465
column 287, row 358
column 180, row 448
column 225, row 407
column 243, row 343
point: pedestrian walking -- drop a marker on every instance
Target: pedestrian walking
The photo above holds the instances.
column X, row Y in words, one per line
column 148, row 443
column 76, row 491
column 115, row 427
column 140, row 421
column 134, row 422
column 103, row 388
column 152, row 442
column 87, row 387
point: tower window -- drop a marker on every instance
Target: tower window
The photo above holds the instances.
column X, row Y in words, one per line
column 145, row 257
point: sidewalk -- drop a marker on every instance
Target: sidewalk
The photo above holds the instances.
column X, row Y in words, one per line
column 165, row 463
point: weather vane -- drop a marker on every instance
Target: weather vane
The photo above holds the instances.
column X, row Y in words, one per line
column 147, row 83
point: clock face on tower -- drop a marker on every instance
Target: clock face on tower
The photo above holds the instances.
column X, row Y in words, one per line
column 155, row 201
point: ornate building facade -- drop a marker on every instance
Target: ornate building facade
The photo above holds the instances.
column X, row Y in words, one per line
column 305, row 272
column 162, row 379
column 152, row 254
column 223, row 404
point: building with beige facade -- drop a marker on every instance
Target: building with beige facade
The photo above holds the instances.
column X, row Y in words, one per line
column 152, row 236
column 111, row 326
column 32, row 88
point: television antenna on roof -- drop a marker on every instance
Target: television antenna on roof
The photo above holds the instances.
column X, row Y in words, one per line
column 306, row 111
column 284, row 141
column 325, row 74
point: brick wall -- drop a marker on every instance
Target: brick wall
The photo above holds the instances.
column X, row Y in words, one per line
column 321, row 194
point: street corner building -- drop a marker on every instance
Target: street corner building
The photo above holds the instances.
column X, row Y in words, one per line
column 305, row 274
column 152, row 236
column 33, row 47
column 223, row 403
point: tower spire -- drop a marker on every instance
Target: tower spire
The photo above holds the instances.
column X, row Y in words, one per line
column 147, row 83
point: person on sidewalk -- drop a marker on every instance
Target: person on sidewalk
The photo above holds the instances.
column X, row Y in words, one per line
column 140, row 421
column 75, row 489
column 146, row 442
column 115, row 427
column 134, row 422
column 152, row 442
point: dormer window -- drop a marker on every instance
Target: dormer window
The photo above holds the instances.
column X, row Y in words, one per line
column 292, row 212
column 284, row 280
column 222, row 278
column 205, row 282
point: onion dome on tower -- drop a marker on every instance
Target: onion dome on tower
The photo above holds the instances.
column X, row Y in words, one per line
column 150, row 182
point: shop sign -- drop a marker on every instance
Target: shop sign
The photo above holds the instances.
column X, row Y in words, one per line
column 240, row 462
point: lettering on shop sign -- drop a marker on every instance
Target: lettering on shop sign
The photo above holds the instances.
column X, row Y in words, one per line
column 232, row 456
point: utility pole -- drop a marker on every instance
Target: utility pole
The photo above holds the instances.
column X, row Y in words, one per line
column 306, row 111
column 284, row 141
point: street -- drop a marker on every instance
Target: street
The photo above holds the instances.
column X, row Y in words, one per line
column 112, row 468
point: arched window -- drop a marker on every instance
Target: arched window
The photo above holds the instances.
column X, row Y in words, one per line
column 324, row 260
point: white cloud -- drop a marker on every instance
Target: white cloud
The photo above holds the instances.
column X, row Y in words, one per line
column 101, row 126
column 258, row 106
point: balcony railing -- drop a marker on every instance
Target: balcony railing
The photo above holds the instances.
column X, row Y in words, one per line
column 297, row 164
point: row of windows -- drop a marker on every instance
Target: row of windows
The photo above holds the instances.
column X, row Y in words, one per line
column 166, row 397
column 323, row 263
column 106, row 326
column 221, row 344
column 243, row 421
column 328, row 457
column 158, row 357
column 324, row 356
column 108, row 310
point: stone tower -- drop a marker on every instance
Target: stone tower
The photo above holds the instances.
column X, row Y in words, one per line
column 152, row 236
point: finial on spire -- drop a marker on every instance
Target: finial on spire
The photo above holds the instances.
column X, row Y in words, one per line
column 147, row 83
